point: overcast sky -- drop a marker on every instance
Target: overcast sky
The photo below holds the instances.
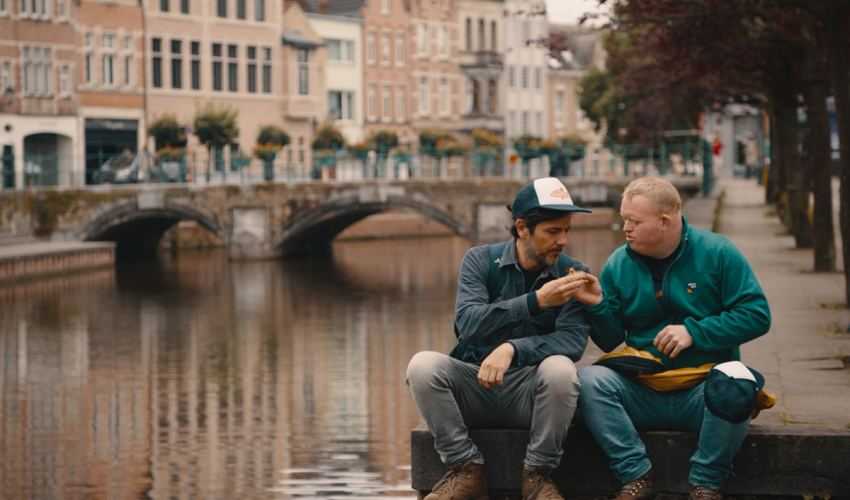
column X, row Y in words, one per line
column 569, row 11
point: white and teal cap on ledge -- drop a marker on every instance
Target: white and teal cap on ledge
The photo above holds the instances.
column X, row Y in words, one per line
column 547, row 193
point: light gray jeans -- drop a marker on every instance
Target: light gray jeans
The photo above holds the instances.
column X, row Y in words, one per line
column 540, row 398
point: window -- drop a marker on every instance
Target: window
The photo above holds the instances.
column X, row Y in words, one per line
column 341, row 105
column 476, row 96
column 468, row 34
column 36, row 9
column 6, row 76
column 232, row 68
column 108, row 60
column 467, row 96
column 340, row 50
column 559, row 108
column 241, row 9
column 251, row 68
column 385, row 49
column 64, row 80
column 493, row 96
column 5, row 10
column 184, row 7
column 424, row 97
column 259, row 10
column 511, row 124
column 127, row 60
column 88, row 58
column 400, row 104
column 164, row 5
column 525, row 77
column 221, row 8
column 267, row 70
column 494, row 37
column 399, row 49
column 217, row 72
column 371, row 53
column 303, row 72
column 176, row 64
column 372, row 101
column 37, row 70
column 526, row 33
column 61, row 8
column 422, row 39
column 128, row 69
column 482, row 35
column 525, row 122
column 443, row 41
column 195, row 50
column 385, row 7
column 387, row 106
column 444, row 96
column 538, row 122
column 511, row 77
column 156, row 62
column 537, row 78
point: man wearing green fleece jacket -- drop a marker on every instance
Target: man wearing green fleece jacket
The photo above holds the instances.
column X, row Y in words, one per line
column 687, row 296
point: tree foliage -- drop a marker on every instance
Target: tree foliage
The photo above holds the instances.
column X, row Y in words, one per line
column 216, row 126
column 167, row 132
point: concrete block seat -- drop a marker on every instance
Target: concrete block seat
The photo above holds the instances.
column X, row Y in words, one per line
column 774, row 461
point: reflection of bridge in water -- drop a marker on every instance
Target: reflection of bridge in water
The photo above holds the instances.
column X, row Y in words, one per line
column 212, row 380
column 262, row 220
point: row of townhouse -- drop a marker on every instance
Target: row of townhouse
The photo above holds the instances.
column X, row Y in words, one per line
column 80, row 80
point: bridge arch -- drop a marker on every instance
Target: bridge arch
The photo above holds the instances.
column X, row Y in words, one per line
column 312, row 231
column 138, row 231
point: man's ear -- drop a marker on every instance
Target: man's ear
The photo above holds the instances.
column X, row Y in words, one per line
column 521, row 228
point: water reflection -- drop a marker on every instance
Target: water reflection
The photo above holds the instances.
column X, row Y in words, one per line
column 195, row 378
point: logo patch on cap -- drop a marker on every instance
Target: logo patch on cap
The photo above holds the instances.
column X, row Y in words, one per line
column 550, row 191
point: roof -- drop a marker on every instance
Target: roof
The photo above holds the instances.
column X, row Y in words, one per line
column 580, row 44
column 344, row 8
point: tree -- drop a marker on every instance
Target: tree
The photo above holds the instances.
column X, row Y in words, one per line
column 216, row 127
column 167, row 132
column 328, row 138
column 270, row 140
column 696, row 48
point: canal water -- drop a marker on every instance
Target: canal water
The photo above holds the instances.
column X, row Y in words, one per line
column 193, row 377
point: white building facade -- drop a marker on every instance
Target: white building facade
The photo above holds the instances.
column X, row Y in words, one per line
column 526, row 30
column 342, row 37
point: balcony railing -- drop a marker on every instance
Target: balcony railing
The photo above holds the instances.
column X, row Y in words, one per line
column 481, row 59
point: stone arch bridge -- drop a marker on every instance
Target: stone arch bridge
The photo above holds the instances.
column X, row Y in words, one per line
column 268, row 220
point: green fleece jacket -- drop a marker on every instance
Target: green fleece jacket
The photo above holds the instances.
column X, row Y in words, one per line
column 709, row 288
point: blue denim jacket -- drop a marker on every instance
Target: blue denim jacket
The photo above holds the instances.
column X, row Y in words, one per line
column 482, row 323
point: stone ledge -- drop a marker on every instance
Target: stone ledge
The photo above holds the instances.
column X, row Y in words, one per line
column 772, row 461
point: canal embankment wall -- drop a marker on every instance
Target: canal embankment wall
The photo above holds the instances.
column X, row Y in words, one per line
column 32, row 260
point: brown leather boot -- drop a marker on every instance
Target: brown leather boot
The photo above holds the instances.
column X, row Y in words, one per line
column 642, row 488
column 537, row 485
column 703, row 493
column 461, row 482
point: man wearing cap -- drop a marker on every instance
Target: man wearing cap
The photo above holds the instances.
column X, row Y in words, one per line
column 687, row 299
column 519, row 332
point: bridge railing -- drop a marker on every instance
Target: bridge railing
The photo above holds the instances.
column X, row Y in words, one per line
column 45, row 170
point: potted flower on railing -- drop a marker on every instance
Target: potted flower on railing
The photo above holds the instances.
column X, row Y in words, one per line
column 172, row 163
column 448, row 147
column 326, row 145
column 270, row 141
column 487, row 148
column 360, row 152
column 428, row 140
column 528, row 148
column 384, row 141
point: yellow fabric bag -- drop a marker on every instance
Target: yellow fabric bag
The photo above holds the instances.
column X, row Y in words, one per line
column 648, row 370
